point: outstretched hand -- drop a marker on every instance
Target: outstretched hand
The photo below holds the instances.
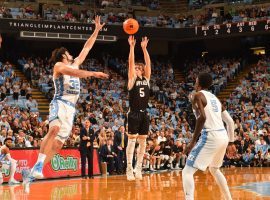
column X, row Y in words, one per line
column 101, row 75
column 144, row 42
column 131, row 41
column 98, row 25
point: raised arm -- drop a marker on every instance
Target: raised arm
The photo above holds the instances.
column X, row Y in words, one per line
column 147, row 59
column 61, row 68
column 89, row 43
column 131, row 61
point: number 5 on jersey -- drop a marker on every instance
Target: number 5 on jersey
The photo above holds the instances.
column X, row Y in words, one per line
column 142, row 94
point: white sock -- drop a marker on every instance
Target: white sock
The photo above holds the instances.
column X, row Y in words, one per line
column 147, row 164
column 41, row 157
column 13, row 165
column 221, row 181
column 141, row 152
column 130, row 152
column 188, row 182
column 1, row 176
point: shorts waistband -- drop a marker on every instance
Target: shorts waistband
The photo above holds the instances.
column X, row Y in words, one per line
column 64, row 101
column 209, row 130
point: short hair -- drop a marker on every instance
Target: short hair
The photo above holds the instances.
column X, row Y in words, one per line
column 205, row 80
column 140, row 64
column 57, row 55
column 8, row 138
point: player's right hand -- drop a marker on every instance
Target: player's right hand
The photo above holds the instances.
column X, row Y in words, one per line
column 189, row 148
column 131, row 41
column 97, row 22
column 144, row 42
column 101, row 75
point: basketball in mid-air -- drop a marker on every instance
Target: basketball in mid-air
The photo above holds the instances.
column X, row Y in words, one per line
column 131, row 26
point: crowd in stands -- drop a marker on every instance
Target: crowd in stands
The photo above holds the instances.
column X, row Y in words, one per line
column 209, row 17
column 19, row 116
column 105, row 103
column 249, row 105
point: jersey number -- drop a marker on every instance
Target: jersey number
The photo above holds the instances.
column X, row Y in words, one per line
column 74, row 84
column 214, row 105
column 142, row 94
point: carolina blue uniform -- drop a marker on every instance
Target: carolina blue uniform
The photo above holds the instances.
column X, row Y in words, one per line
column 62, row 107
column 211, row 147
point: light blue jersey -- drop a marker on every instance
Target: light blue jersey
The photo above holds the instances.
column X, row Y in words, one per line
column 67, row 87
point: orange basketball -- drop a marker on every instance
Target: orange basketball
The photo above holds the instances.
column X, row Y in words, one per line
column 131, row 26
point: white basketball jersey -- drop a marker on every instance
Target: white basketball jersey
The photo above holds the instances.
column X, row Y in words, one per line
column 67, row 87
column 212, row 111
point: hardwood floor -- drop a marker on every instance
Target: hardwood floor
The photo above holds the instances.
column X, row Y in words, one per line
column 245, row 183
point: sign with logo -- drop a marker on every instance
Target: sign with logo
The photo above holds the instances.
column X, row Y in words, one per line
column 67, row 163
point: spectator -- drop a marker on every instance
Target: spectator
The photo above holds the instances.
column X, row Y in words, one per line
column 20, row 143
column 120, row 144
column 108, row 155
column 31, row 104
column 86, row 148
column 248, row 159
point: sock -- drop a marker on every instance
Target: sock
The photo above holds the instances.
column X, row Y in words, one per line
column 147, row 164
column 130, row 152
column 41, row 157
column 1, row 176
column 141, row 152
column 188, row 182
column 12, row 169
column 221, row 181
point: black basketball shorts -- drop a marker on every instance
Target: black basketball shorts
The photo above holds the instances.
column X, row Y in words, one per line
column 138, row 123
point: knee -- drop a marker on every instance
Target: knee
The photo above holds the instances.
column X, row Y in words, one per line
column 54, row 131
column 142, row 141
column 213, row 170
column 57, row 145
column 184, row 171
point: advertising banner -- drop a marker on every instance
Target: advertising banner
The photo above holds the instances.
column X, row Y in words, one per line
column 67, row 163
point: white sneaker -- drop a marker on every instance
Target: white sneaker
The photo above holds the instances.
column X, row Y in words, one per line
column 13, row 182
column 37, row 171
column 130, row 175
column 138, row 173
column 27, row 179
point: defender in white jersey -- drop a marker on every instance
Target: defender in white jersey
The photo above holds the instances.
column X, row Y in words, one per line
column 7, row 163
column 66, row 76
column 210, row 149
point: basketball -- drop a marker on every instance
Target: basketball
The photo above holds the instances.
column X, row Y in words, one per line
column 131, row 26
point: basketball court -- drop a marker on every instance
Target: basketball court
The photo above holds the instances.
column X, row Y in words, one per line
column 245, row 183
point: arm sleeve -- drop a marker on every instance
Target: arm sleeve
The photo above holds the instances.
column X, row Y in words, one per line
column 229, row 123
column 8, row 156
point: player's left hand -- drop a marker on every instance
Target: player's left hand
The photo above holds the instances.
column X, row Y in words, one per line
column 98, row 25
column 101, row 75
column 144, row 42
